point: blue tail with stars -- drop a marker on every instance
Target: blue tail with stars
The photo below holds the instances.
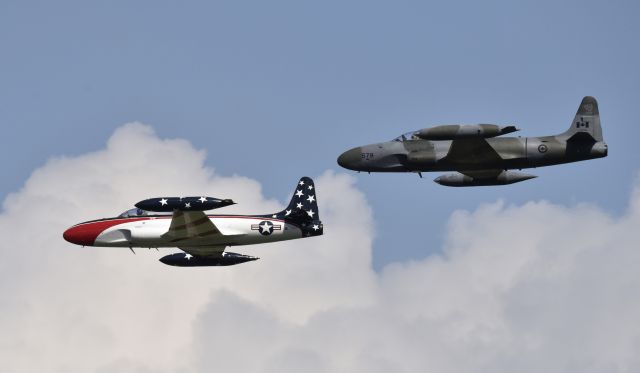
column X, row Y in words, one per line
column 303, row 208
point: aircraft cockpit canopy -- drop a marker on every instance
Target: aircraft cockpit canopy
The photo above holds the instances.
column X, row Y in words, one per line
column 140, row 212
column 407, row 136
column 133, row 213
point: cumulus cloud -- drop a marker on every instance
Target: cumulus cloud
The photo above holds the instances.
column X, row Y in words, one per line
column 529, row 288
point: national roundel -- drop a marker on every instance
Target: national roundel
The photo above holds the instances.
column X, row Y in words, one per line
column 266, row 228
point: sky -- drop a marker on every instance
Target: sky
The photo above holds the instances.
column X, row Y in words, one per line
column 277, row 90
column 107, row 103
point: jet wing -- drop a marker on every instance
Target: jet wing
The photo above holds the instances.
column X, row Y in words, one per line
column 190, row 224
column 472, row 151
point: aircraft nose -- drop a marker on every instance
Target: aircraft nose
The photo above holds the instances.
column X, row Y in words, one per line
column 83, row 234
column 351, row 158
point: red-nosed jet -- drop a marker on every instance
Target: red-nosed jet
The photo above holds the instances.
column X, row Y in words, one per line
column 181, row 222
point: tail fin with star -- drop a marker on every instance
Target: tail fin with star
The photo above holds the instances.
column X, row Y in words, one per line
column 304, row 203
column 303, row 208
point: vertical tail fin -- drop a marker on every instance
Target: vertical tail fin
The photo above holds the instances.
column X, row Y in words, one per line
column 303, row 209
column 586, row 123
column 304, row 203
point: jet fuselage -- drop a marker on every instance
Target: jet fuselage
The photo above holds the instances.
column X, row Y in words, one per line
column 181, row 222
column 148, row 231
column 479, row 152
column 417, row 155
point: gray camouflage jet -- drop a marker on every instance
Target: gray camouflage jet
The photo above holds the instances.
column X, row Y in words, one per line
column 476, row 152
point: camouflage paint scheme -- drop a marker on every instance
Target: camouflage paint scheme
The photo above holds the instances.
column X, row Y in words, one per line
column 479, row 156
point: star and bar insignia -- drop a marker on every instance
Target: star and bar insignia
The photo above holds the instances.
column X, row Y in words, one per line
column 266, row 227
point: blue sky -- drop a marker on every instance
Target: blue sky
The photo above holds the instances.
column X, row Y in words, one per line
column 277, row 90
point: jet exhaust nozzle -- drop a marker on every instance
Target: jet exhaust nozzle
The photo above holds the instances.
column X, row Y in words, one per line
column 170, row 204
column 461, row 180
column 188, row 260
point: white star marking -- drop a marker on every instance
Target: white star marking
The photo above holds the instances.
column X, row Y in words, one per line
column 202, row 199
column 265, row 227
column 188, row 256
column 311, row 198
column 299, row 205
column 311, row 213
column 310, row 187
column 315, row 227
column 299, row 193
column 301, row 182
column 274, row 216
column 163, row 201
column 287, row 212
column 187, row 205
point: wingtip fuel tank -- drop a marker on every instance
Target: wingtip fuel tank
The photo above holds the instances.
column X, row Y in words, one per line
column 188, row 260
column 170, row 204
column 458, row 179
column 464, row 131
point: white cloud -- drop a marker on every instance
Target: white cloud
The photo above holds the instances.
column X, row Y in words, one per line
column 538, row 287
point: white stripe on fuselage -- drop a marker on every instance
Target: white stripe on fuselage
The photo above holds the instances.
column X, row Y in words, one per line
column 235, row 230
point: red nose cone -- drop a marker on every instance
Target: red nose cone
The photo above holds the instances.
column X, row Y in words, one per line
column 83, row 234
